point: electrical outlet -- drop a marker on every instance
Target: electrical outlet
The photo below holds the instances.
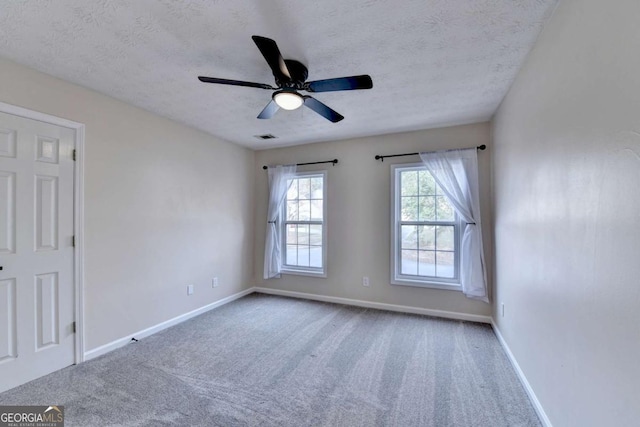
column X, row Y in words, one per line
column 189, row 289
column 214, row 282
column 502, row 308
column 365, row 281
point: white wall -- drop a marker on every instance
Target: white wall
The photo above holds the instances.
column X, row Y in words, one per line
column 165, row 206
column 358, row 219
column 567, row 201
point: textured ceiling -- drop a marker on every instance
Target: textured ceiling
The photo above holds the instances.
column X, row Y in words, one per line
column 433, row 62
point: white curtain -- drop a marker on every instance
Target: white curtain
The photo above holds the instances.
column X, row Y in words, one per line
column 456, row 172
column 278, row 187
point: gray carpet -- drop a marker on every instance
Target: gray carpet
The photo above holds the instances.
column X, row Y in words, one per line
column 272, row 361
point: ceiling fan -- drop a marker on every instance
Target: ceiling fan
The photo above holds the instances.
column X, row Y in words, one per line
column 291, row 76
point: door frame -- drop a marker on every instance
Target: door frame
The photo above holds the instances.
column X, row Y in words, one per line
column 78, row 213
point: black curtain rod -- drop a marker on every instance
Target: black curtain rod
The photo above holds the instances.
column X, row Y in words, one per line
column 381, row 158
column 334, row 161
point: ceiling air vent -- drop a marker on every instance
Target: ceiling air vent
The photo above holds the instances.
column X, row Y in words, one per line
column 265, row 136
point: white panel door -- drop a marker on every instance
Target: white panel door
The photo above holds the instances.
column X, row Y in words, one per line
column 36, row 249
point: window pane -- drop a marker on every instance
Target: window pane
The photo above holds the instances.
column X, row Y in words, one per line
column 316, row 188
column 303, row 235
column 292, row 193
column 427, row 239
column 315, row 235
column 304, row 207
column 316, row 210
column 445, row 238
column 409, row 262
column 444, row 264
column 427, row 208
column 409, row 237
column 316, row 257
column 427, row 264
column 427, row 183
column 409, row 208
column 409, row 183
column 445, row 210
column 303, row 256
column 292, row 234
column 291, row 255
column 292, row 211
column 304, row 188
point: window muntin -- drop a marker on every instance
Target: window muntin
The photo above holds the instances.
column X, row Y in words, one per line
column 426, row 230
column 304, row 236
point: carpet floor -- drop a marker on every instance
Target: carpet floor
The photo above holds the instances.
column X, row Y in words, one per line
column 274, row 361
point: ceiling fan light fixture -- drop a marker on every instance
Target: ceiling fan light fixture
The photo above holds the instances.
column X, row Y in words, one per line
column 288, row 100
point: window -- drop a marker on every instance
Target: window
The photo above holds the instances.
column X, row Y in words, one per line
column 425, row 231
column 304, row 225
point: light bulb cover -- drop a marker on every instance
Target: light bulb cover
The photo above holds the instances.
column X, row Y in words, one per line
column 288, row 99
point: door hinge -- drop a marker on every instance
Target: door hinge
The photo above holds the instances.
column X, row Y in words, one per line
column 73, row 327
column 73, row 155
column 73, row 241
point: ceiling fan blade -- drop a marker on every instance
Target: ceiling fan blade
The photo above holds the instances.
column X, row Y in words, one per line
column 340, row 83
column 269, row 110
column 322, row 109
column 271, row 53
column 234, row 82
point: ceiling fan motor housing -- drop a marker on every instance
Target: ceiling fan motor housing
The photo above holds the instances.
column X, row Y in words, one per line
column 298, row 72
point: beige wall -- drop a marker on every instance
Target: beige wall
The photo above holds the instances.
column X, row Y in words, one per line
column 358, row 219
column 567, row 201
column 165, row 206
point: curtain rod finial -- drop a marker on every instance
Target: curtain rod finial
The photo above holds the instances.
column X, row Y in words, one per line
column 482, row 147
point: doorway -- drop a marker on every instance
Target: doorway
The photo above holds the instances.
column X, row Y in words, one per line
column 40, row 245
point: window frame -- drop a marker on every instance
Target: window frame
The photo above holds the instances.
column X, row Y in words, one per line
column 301, row 270
column 397, row 278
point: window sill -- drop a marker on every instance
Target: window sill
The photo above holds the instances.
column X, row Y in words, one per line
column 308, row 273
column 424, row 284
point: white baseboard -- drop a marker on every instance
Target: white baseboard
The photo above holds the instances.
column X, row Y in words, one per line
column 523, row 379
column 99, row 351
column 377, row 305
